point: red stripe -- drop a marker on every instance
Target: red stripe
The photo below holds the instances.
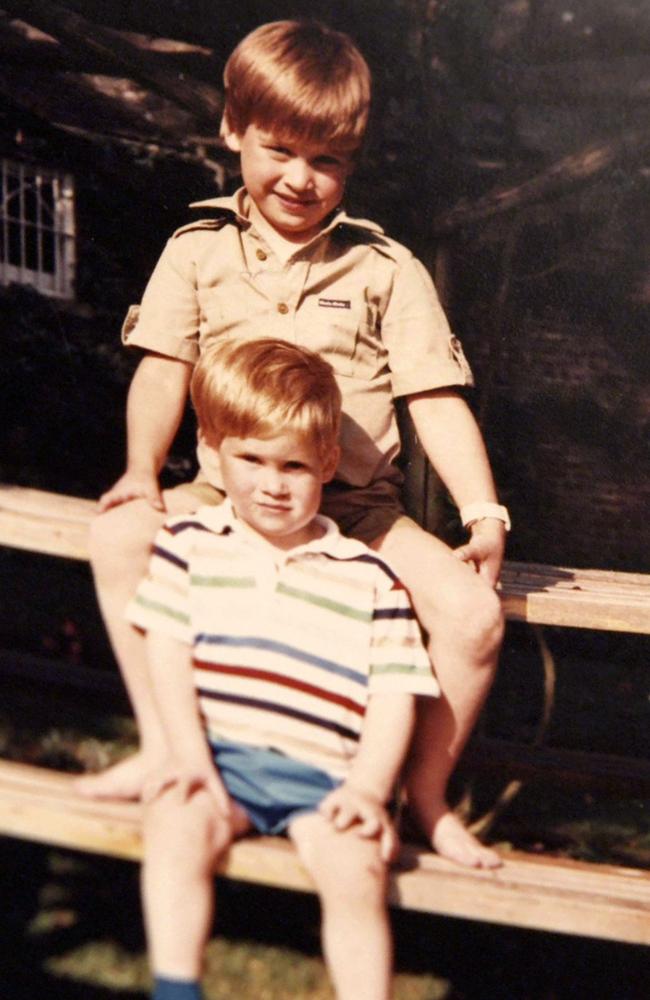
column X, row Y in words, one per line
column 283, row 680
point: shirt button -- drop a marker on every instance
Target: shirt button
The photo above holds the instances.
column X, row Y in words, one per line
column 283, row 308
column 261, row 255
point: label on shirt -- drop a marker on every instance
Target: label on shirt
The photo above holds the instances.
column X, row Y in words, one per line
column 335, row 303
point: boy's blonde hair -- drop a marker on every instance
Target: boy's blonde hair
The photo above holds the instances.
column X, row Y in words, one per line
column 301, row 80
column 263, row 388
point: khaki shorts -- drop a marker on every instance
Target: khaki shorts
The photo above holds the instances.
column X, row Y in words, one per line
column 365, row 513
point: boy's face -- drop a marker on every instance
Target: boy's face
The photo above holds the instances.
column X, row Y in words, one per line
column 275, row 485
column 294, row 184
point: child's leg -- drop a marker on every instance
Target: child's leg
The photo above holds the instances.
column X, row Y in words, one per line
column 120, row 546
column 463, row 618
column 183, row 841
column 351, row 881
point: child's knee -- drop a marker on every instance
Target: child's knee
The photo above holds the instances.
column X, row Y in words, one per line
column 473, row 613
column 346, row 868
column 183, row 834
column 123, row 534
column 359, row 880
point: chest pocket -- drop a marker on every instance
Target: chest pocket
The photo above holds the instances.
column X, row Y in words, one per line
column 343, row 330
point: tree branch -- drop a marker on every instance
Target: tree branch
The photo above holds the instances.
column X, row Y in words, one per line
column 571, row 171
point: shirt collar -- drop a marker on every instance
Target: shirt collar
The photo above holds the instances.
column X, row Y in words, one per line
column 222, row 520
column 237, row 205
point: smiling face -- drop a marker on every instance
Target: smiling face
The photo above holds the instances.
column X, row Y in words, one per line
column 275, row 485
column 294, row 184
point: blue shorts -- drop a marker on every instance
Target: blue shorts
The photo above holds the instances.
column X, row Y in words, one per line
column 272, row 788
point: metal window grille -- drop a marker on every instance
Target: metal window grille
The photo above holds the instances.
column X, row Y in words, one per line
column 37, row 229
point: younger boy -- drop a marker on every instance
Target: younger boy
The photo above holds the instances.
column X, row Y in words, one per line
column 284, row 660
column 281, row 259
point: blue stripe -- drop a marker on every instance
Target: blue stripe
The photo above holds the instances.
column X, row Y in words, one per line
column 270, row 645
column 366, row 558
column 170, row 557
column 176, row 529
column 407, row 613
column 279, row 709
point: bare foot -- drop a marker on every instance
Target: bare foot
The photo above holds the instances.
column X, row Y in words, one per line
column 450, row 839
column 123, row 780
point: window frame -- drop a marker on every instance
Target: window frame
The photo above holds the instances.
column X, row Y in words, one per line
column 37, row 228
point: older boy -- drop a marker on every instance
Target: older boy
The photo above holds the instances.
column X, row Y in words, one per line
column 281, row 656
column 280, row 258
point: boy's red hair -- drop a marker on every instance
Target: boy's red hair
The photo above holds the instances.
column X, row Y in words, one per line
column 262, row 388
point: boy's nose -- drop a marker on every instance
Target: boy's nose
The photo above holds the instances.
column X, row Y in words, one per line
column 273, row 483
column 299, row 174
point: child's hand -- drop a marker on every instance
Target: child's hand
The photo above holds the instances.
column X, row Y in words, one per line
column 188, row 778
column 346, row 806
column 132, row 486
column 485, row 549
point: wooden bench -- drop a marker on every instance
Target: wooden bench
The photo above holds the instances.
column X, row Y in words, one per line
column 531, row 891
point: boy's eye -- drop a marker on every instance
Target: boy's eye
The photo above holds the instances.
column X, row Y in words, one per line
column 251, row 459
column 295, row 466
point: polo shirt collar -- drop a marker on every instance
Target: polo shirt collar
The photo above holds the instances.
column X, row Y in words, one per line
column 222, row 520
column 236, row 205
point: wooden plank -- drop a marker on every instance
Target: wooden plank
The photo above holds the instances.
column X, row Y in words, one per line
column 582, row 598
column 38, row 521
column 54, row 524
column 528, row 891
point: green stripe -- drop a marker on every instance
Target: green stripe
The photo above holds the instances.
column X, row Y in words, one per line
column 325, row 602
column 162, row 609
column 399, row 668
column 242, row 582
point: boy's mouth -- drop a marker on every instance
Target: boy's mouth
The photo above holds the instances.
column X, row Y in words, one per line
column 295, row 204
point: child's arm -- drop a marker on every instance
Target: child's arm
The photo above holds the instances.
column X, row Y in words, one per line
column 155, row 407
column 454, row 445
column 361, row 799
column 189, row 765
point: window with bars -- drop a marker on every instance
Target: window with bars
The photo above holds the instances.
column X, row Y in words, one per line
column 37, row 229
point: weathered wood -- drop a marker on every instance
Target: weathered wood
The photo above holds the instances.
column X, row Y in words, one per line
column 528, row 891
column 45, row 522
column 545, row 595
column 586, row 598
column 80, row 35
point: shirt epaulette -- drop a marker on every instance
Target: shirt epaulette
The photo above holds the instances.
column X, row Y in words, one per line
column 371, row 235
column 215, row 222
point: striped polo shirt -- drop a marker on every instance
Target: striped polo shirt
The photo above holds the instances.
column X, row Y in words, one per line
column 287, row 646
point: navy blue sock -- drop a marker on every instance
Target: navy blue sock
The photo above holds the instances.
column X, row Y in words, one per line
column 176, row 989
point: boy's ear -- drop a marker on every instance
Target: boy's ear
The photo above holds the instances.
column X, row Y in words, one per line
column 229, row 136
column 330, row 464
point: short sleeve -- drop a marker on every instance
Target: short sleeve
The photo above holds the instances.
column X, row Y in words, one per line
column 399, row 661
column 167, row 319
column 161, row 602
column 423, row 352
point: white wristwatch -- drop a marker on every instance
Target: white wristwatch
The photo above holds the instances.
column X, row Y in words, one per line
column 473, row 512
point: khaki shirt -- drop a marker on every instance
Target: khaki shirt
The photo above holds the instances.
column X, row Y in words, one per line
column 357, row 298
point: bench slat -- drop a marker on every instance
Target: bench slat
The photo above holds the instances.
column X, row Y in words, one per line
column 49, row 523
column 537, row 892
column 528, row 891
column 57, row 525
